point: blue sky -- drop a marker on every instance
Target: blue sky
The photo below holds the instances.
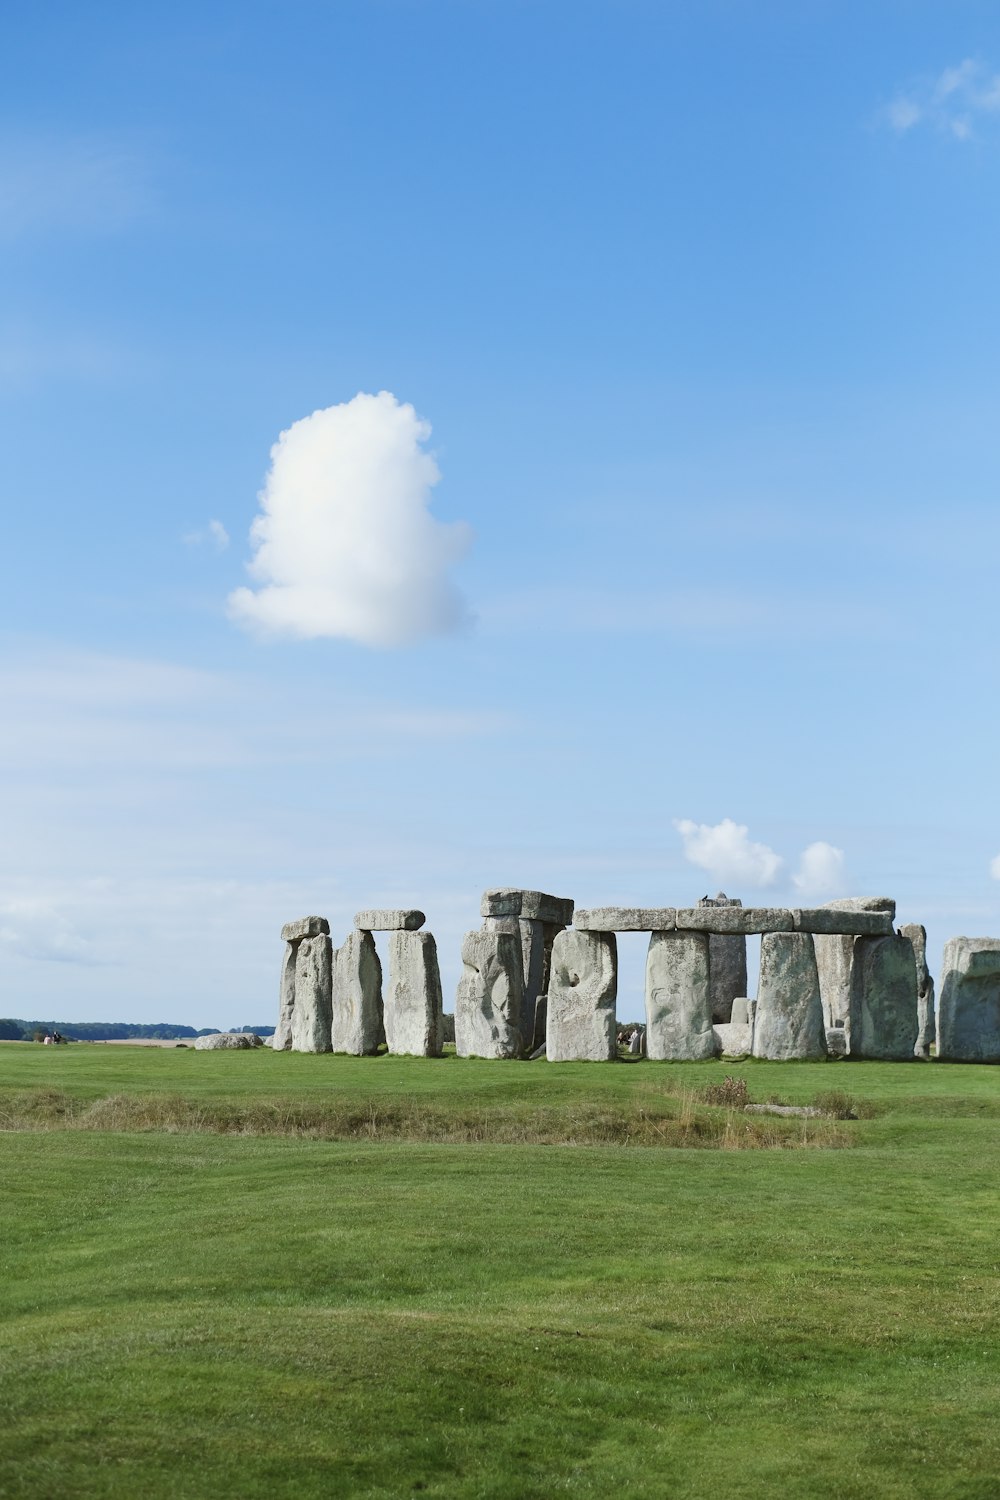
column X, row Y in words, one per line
column 698, row 304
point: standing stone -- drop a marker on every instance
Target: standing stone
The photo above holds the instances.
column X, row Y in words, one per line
column 357, row 1025
column 925, row 989
column 835, row 957
column 583, row 988
column 678, row 1006
column 727, row 965
column 413, row 1009
column 489, row 999
column 882, row 1020
column 282, row 1039
column 788, row 1021
column 313, row 978
column 969, row 1009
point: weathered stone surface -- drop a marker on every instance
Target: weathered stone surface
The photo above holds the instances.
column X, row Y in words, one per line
column 389, row 919
column 625, row 919
column 536, row 953
column 882, row 1020
column 413, row 1010
column 740, row 1015
column 678, row 1008
column 836, row 1041
column 224, row 1041
column 489, row 999
column 313, row 979
column 448, row 1027
column 734, row 1039
column 635, row 1044
column 510, row 901
column 725, row 919
column 583, row 988
column 789, row 1016
column 727, row 964
column 835, row 956
column 357, row 1022
column 926, row 1021
column 825, row 919
column 305, row 927
column 968, row 1025
column 282, row 1039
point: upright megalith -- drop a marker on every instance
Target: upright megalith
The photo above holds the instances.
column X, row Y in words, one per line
column 413, row 1008
column 538, row 917
column 490, row 996
column 882, row 1018
column 357, row 1025
column 968, row 1023
column 678, row 1003
column 727, row 964
column 282, row 1039
column 926, row 1021
column 583, row 987
column 835, row 955
column 313, row 976
column 788, row 1021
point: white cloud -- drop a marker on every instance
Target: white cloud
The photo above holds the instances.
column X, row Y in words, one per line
column 821, row 870
column 214, row 533
column 83, row 184
column 952, row 103
column 345, row 545
column 32, row 928
column 995, row 867
column 726, row 852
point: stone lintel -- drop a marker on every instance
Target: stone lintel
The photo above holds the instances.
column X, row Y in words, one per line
column 305, row 927
column 625, row 919
column 389, row 920
column 828, row 919
column 535, row 906
column 736, row 919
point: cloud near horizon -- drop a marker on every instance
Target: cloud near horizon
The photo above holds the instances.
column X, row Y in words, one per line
column 821, row 870
column 345, row 545
column 952, row 103
column 727, row 853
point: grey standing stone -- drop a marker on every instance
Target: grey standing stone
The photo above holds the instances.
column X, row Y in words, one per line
column 882, row 1020
column 313, row 977
column 727, row 964
column 835, row 956
column 282, row 1039
column 583, row 988
column 925, row 989
column 489, row 999
column 357, row 1024
column 678, row 1007
column 413, row 1010
column 734, row 1039
column 788, row 1021
column 741, row 1011
column 969, row 1008
column 836, row 1041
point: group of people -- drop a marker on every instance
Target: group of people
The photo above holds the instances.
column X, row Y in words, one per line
column 53, row 1038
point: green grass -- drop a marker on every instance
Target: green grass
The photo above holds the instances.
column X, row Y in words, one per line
column 272, row 1313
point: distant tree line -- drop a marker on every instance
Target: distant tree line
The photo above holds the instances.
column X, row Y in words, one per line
column 110, row 1031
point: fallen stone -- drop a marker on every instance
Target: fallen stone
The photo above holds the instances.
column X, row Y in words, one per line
column 806, row 1111
column 968, row 1023
column 357, row 1025
column 926, row 1020
column 488, row 1002
column 678, row 1008
column 727, row 964
column 305, row 927
column 725, row 919
column 583, row 988
column 389, row 920
column 224, row 1041
column 510, row 901
column 882, row 1021
column 825, row 919
column 413, row 1011
column 734, row 1039
column 282, row 1040
column 625, row 919
column 313, row 984
column 789, row 1016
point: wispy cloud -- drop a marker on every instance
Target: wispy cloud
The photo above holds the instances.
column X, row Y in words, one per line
column 214, row 535
column 83, row 184
column 953, row 103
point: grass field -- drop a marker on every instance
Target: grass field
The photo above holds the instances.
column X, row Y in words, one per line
column 312, row 1276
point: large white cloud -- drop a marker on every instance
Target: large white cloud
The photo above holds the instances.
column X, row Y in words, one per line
column 821, row 870
column 345, row 544
column 727, row 853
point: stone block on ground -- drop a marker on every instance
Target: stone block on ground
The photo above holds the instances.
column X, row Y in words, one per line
column 968, row 1023
column 489, row 999
column 625, row 919
column 225, row 1041
column 313, row 981
column 536, row 906
column 678, row 1006
column 882, row 1020
column 389, row 919
column 836, row 1041
column 583, row 988
column 305, row 927
column 413, row 1012
column 728, row 919
column 734, row 1039
column 357, row 1022
column 789, row 1016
